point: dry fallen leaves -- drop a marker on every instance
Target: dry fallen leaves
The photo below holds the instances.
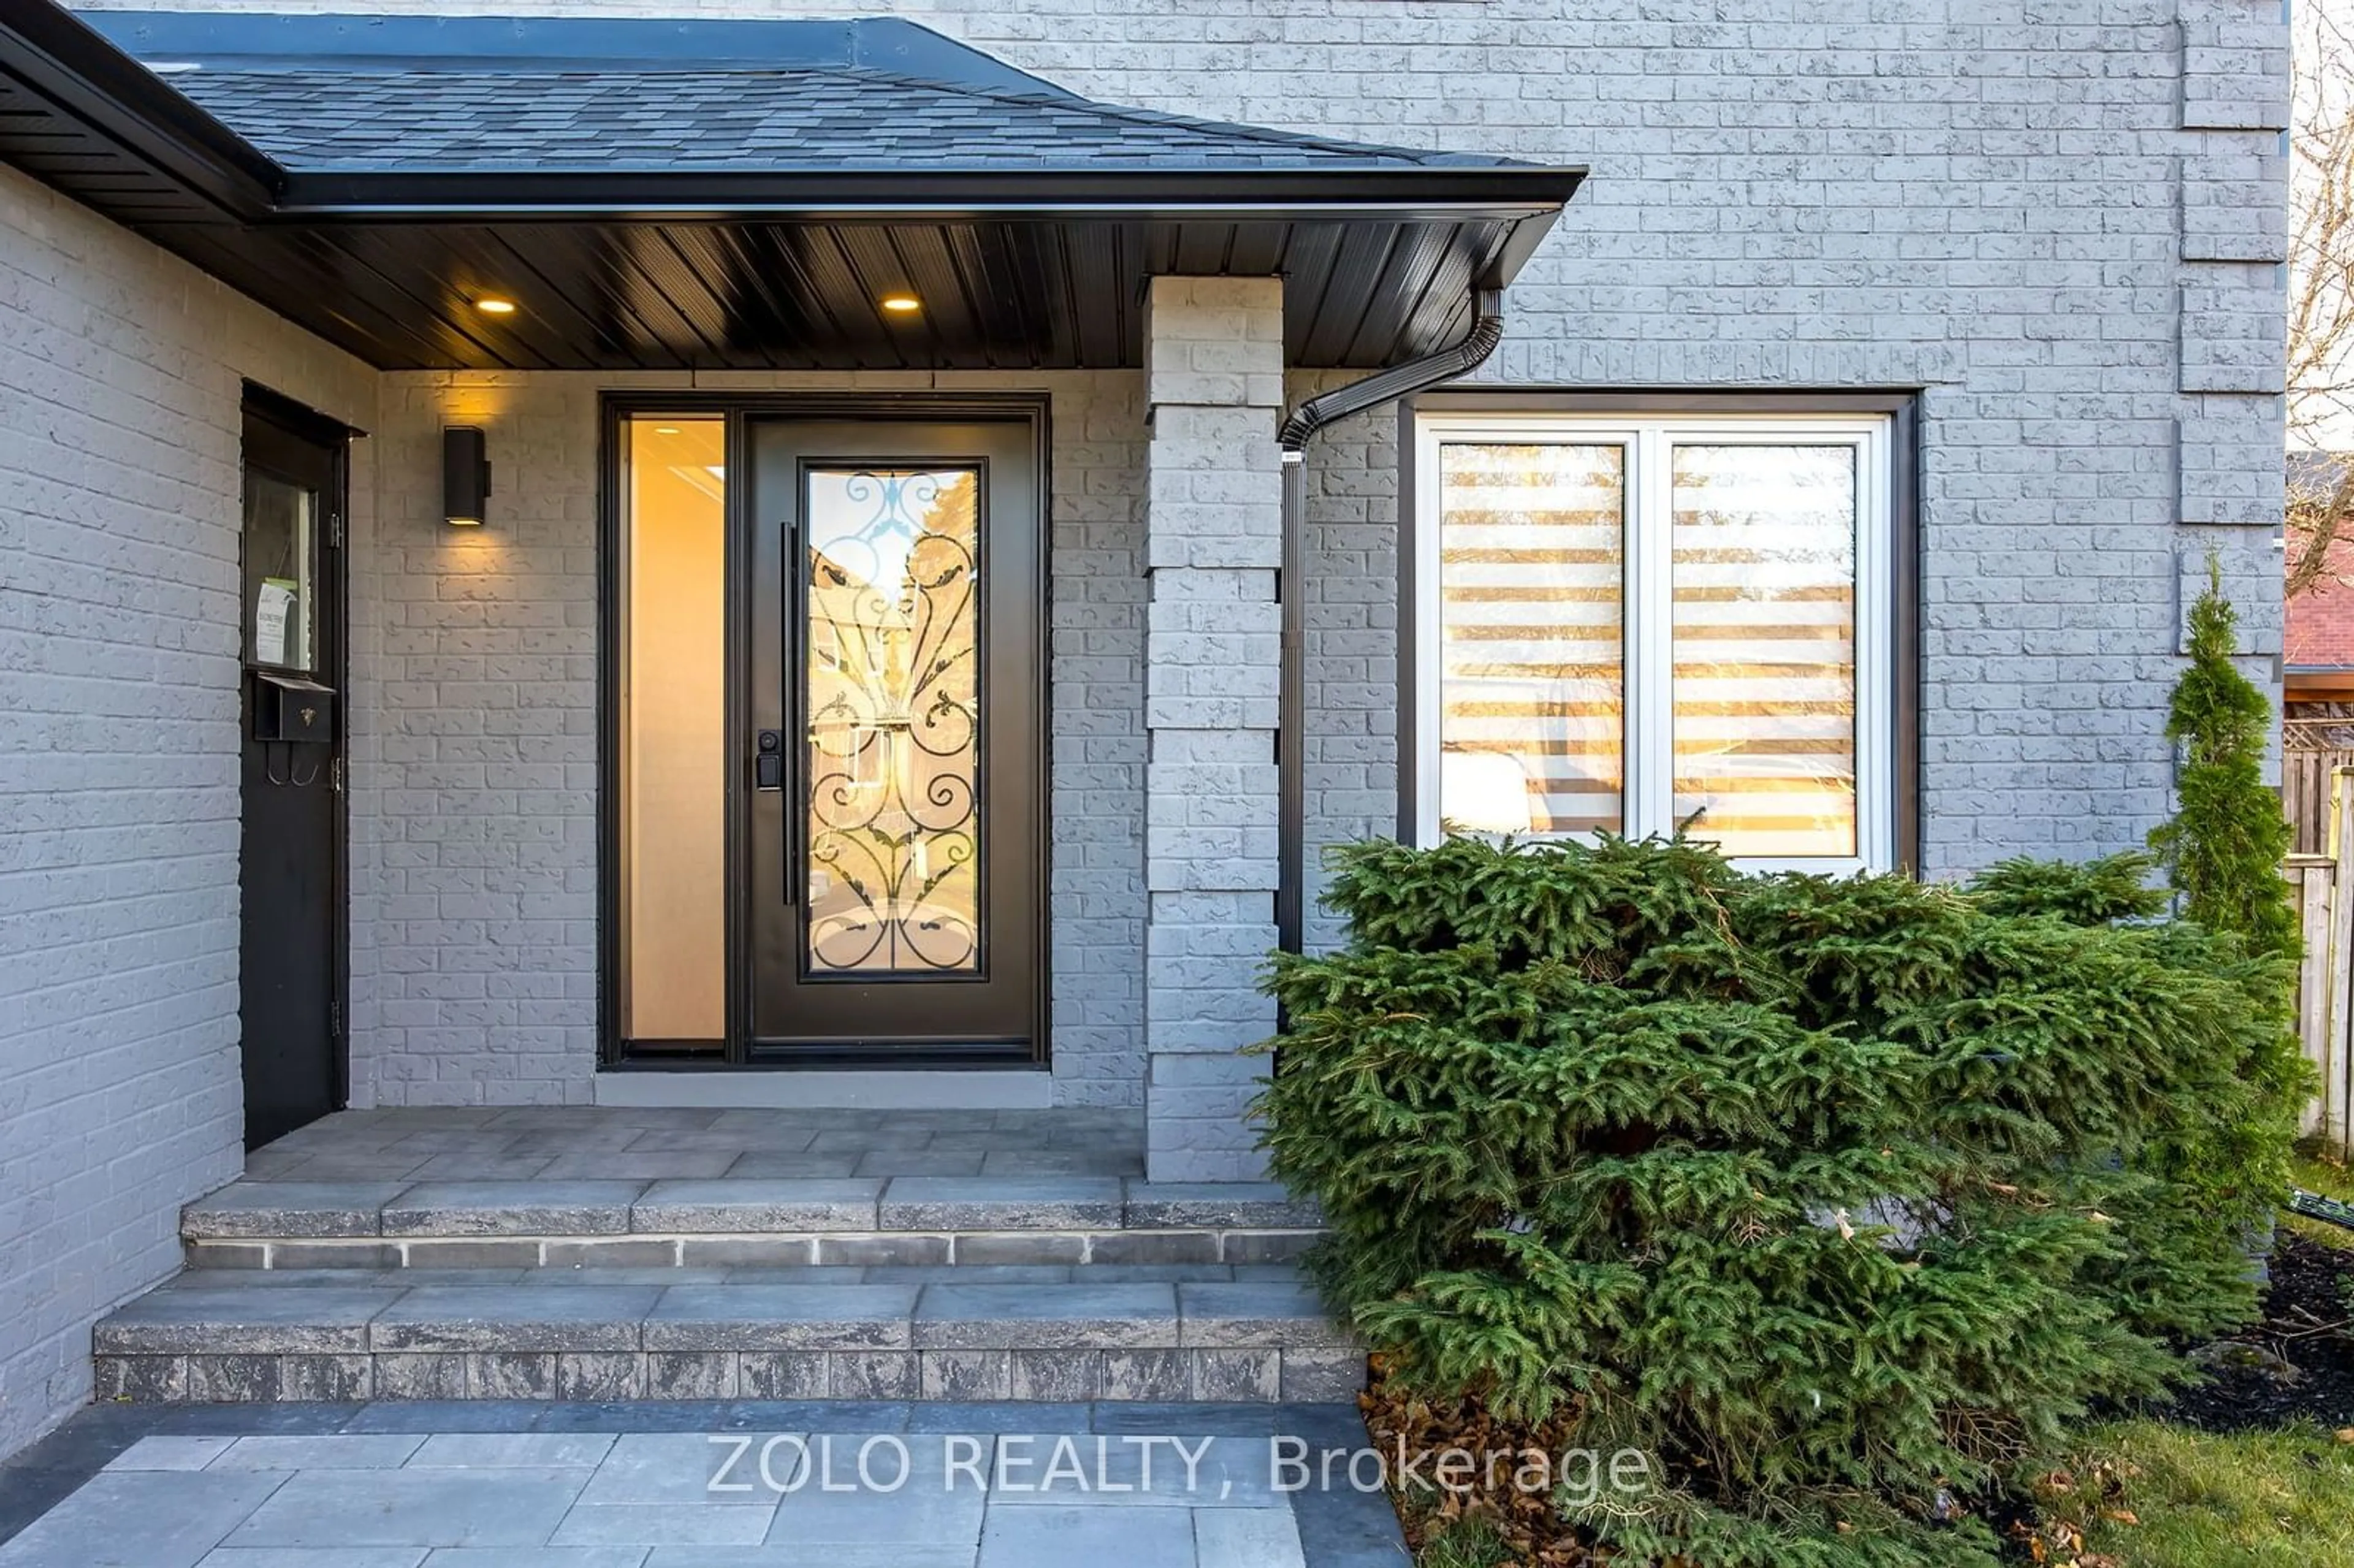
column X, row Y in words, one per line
column 1527, row 1524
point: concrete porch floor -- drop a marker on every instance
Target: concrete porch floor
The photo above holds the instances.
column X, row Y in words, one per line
column 470, row 1143
column 612, row 1186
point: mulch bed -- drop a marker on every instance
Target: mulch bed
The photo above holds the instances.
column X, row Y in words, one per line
column 2298, row 1361
column 2295, row 1362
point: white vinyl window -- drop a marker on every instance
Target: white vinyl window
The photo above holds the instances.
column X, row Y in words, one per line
column 1622, row 624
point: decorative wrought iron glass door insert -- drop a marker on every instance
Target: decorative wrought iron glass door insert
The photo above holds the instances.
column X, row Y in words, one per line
column 891, row 682
column 896, row 881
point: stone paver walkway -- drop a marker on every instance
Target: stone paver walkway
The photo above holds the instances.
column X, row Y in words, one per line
column 733, row 1484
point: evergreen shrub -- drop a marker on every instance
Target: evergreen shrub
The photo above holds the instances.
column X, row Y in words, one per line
column 2223, row 847
column 1838, row 1197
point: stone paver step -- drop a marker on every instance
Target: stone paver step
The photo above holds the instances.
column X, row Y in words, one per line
column 743, row 1221
column 435, row 1143
column 1121, row 1332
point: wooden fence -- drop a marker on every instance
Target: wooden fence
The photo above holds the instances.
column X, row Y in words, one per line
column 2306, row 774
column 2324, row 886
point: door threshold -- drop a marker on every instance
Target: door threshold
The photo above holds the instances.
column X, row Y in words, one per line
column 917, row 1090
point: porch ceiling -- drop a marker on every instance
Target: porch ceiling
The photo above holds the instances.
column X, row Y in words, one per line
column 1009, row 293
column 709, row 212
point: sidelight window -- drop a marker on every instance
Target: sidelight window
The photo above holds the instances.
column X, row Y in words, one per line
column 674, row 724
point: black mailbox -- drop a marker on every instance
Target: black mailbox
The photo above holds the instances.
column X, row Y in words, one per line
column 288, row 707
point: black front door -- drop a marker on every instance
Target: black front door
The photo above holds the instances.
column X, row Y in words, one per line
column 290, row 845
column 895, row 852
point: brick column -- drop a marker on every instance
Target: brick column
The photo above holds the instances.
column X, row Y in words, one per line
column 1213, row 380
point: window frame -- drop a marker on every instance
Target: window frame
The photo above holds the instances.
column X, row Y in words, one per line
column 1650, row 428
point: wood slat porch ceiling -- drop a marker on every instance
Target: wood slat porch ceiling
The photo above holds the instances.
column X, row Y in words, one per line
column 1010, row 294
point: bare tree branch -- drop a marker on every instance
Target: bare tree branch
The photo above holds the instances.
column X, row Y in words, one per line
column 2320, row 516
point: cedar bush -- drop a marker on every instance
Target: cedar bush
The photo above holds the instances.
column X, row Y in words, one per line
column 1831, row 1194
column 2222, row 850
column 2223, row 847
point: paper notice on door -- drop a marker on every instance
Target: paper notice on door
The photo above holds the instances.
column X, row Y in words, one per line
column 273, row 613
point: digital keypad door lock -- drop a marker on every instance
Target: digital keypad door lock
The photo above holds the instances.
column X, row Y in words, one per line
column 769, row 763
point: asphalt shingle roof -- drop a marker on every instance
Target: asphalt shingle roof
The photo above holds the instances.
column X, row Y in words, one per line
column 461, row 120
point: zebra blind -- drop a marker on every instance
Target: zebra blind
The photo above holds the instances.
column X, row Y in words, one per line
column 1531, row 563
column 1764, row 677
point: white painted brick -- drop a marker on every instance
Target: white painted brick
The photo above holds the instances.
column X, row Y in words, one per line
column 1213, row 376
column 2235, row 207
column 120, row 523
column 2234, row 65
column 2229, row 467
column 1214, row 343
column 2233, row 334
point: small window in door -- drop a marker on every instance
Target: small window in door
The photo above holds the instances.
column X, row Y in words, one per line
column 281, row 572
column 892, row 651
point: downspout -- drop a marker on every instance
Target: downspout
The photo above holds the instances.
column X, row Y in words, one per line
column 1291, row 712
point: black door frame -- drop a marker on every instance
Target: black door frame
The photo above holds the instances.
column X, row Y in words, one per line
column 741, row 410
column 298, row 422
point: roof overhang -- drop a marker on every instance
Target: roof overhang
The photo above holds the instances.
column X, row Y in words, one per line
column 784, row 268
column 80, row 113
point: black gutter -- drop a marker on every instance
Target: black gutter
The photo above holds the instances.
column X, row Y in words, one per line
column 63, row 61
column 1291, row 700
column 1433, row 192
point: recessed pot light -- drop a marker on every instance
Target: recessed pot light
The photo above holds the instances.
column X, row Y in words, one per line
column 902, row 303
column 492, row 305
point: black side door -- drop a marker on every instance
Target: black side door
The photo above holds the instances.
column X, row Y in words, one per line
column 291, row 841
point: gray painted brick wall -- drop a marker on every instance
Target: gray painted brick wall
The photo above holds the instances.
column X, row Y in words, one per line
column 2231, row 203
column 1351, row 749
column 473, row 785
column 474, row 782
column 119, row 527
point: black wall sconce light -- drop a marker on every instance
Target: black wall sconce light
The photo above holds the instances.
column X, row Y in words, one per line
column 465, row 476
